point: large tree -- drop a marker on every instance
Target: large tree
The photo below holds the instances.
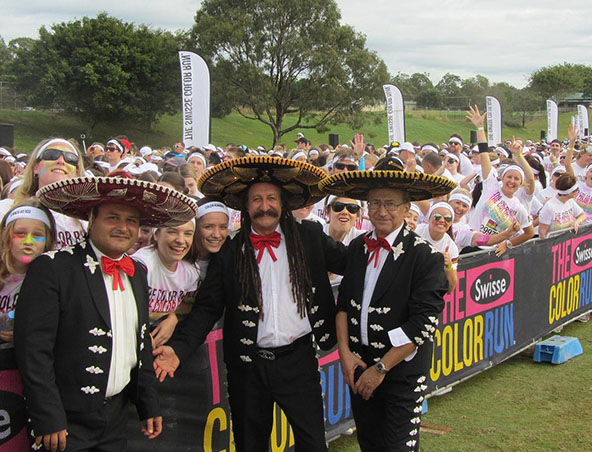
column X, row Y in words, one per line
column 103, row 69
column 274, row 57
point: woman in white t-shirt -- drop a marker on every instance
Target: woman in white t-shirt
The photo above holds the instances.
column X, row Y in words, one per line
column 466, row 237
column 562, row 212
column 172, row 276
column 551, row 190
column 498, row 208
column 437, row 232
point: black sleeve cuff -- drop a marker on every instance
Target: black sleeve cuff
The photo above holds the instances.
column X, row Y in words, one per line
column 483, row 147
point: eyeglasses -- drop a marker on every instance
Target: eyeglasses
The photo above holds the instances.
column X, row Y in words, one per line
column 342, row 166
column 438, row 216
column 389, row 205
column 54, row 154
column 351, row 208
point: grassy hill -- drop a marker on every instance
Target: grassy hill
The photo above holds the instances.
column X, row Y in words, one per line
column 30, row 127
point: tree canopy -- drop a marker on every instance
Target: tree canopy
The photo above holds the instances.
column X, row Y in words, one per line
column 273, row 57
column 101, row 68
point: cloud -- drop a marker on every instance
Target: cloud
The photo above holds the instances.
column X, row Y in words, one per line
column 504, row 40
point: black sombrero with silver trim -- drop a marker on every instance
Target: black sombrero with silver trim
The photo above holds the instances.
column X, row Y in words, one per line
column 298, row 180
column 158, row 205
column 356, row 184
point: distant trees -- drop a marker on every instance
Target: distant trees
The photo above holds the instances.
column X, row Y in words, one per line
column 100, row 68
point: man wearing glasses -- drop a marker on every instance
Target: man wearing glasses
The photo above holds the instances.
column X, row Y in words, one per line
column 388, row 305
column 455, row 145
column 114, row 151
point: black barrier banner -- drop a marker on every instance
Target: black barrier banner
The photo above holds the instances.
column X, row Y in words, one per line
column 500, row 306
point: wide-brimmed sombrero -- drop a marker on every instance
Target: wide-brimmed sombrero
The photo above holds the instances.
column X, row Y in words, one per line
column 158, row 205
column 356, row 184
column 299, row 180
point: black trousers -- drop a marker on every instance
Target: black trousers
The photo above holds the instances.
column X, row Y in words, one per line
column 293, row 382
column 103, row 430
column 389, row 421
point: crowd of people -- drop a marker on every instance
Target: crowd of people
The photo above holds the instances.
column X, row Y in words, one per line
column 504, row 196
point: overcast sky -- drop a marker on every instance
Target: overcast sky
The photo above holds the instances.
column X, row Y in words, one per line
column 504, row 40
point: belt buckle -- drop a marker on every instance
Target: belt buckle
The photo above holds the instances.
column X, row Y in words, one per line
column 266, row 354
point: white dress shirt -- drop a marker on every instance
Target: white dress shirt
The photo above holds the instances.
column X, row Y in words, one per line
column 281, row 324
column 397, row 337
column 124, row 327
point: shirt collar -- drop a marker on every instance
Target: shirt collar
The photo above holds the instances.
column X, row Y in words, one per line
column 100, row 254
column 392, row 236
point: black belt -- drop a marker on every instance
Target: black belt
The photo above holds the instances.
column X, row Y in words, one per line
column 277, row 352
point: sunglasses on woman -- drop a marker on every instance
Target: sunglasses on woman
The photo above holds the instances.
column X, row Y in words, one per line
column 342, row 166
column 438, row 216
column 54, row 154
column 351, row 208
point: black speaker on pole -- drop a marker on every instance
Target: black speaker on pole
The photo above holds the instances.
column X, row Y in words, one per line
column 473, row 136
column 7, row 135
column 334, row 140
column 586, row 132
column 543, row 134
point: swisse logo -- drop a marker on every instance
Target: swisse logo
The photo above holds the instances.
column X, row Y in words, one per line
column 583, row 253
column 490, row 285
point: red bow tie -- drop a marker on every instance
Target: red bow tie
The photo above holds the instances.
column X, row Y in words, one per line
column 374, row 247
column 265, row 242
column 111, row 267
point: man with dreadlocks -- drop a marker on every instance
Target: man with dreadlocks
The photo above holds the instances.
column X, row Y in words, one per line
column 271, row 284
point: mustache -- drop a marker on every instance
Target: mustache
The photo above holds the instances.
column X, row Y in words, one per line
column 269, row 212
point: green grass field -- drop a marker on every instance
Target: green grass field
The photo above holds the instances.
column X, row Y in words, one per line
column 30, row 127
column 517, row 406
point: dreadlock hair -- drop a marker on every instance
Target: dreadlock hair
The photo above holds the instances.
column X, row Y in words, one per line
column 248, row 269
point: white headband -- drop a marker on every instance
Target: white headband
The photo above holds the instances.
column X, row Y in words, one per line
column 16, row 185
column 514, row 168
column 462, row 198
column 502, row 151
column 332, row 198
column 98, row 146
column 313, row 152
column 569, row 190
column 212, row 207
column 200, row 156
column 116, row 144
column 588, row 168
column 429, row 147
column 441, row 205
column 495, row 162
column 559, row 168
column 297, row 155
column 53, row 142
column 28, row 213
column 450, row 155
column 455, row 140
column 415, row 208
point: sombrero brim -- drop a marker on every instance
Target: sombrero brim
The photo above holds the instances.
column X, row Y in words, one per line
column 356, row 184
column 158, row 205
column 229, row 179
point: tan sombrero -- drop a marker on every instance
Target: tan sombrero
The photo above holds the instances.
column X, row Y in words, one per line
column 356, row 184
column 229, row 179
column 158, row 205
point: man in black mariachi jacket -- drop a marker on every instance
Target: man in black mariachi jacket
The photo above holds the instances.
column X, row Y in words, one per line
column 271, row 284
column 389, row 300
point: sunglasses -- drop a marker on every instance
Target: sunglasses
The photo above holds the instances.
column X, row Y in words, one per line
column 342, row 166
column 351, row 208
column 111, row 150
column 54, row 154
column 556, row 174
column 453, row 143
column 451, row 161
column 438, row 216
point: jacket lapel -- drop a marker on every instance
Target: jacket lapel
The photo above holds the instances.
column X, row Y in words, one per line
column 95, row 281
column 391, row 265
